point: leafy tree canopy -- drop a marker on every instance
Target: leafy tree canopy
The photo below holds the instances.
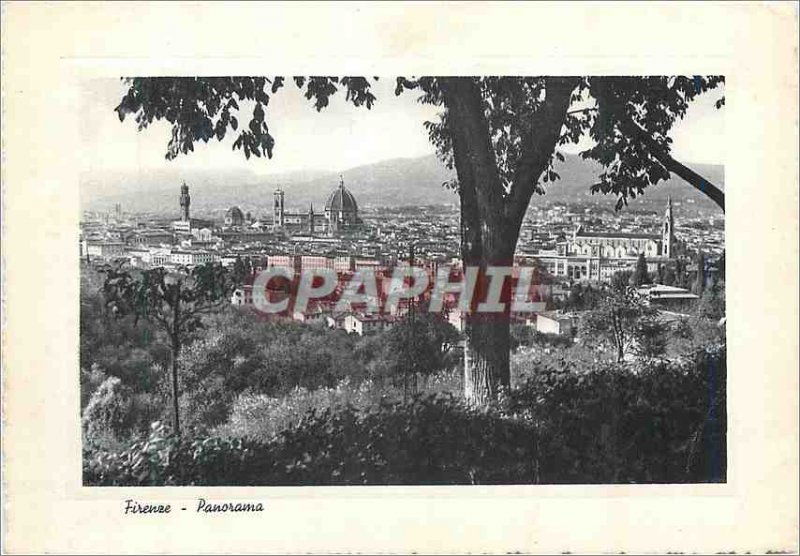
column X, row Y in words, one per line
column 628, row 118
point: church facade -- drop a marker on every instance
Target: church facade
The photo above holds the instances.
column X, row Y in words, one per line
column 596, row 256
column 340, row 214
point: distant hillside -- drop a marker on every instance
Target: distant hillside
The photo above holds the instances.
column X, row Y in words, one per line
column 577, row 175
column 397, row 182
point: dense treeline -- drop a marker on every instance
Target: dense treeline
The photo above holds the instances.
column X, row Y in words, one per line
column 287, row 403
column 657, row 423
column 237, row 353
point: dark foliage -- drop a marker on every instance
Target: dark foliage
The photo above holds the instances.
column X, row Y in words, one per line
column 526, row 336
column 640, row 274
column 662, row 423
column 629, row 118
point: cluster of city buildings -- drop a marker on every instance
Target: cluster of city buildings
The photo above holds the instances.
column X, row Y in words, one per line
column 336, row 230
column 339, row 215
column 598, row 255
column 570, row 245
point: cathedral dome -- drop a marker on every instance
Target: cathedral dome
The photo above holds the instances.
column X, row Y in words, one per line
column 234, row 216
column 341, row 199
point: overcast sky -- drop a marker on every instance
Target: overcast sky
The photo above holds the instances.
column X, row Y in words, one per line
column 338, row 138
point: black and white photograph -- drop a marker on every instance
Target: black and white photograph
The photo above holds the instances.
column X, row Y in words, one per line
column 399, row 277
column 403, row 281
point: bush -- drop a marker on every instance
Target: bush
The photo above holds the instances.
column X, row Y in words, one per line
column 90, row 381
column 654, row 422
column 161, row 458
column 261, row 417
column 691, row 334
column 109, row 409
column 610, row 423
column 240, row 354
column 523, row 335
column 114, row 411
column 388, row 356
column 527, row 362
column 431, row 440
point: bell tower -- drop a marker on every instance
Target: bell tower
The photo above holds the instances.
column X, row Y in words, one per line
column 277, row 208
column 668, row 232
column 185, row 201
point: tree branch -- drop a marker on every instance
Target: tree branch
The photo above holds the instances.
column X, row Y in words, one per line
column 665, row 158
column 538, row 146
column 692, row 178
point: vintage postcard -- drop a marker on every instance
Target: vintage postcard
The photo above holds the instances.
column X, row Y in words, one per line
column 415, row 297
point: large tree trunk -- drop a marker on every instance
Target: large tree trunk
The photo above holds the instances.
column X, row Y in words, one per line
column 486, row 358
column 491, row 219
column 482, row 236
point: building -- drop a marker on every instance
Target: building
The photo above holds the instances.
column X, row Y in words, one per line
column 152, row 237
column 335, row 320
column 317, row 314
column 315, row 262
column 554, row 323
column 186, row 223
column 341, row 209
column 159, row 257
column 185, row 200
column 343, row 264
column 191, row 257
column 243, row 295
column 234, row 217
column 340, row 214
column 103, row 249
column 289, row 262
column 139, row 257
column 668, row 297
column 456, row 318
column 362, row 324
column 368, row 264
column 596, row 256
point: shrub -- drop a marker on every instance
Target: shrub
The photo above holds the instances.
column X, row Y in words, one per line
column 610, row 423
column 388, row 355
column 114, row 412
column 262, row 417
column 161, row 458
column 527, row 336
column 90, row 380
column 431, row 440
column 650, row 422
column 109, row 409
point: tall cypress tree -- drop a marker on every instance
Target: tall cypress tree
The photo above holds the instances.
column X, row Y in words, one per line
column 700, row 276
column 640, row 275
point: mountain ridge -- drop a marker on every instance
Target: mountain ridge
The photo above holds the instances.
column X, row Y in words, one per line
column 394, row 182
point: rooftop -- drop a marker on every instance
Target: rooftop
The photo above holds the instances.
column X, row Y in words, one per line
column 620, row 235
